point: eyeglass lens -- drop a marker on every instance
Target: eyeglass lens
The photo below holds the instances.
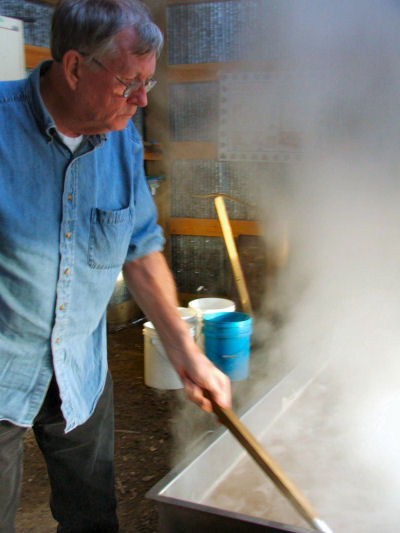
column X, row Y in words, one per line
column 135, row 86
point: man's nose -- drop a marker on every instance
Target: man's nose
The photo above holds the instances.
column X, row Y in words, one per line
column 139, row 97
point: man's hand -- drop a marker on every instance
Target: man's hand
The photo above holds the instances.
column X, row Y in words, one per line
column 151, row 284
column 198, row 374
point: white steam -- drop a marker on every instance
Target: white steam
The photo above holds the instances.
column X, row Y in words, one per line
column 340, row 290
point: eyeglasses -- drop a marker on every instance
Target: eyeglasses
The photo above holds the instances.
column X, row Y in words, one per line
column 130, row 87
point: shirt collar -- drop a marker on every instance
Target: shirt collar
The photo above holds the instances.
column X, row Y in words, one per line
column 44, row 119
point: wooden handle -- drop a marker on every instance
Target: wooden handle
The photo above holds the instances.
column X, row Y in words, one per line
column 257, row 452
column 232, row 253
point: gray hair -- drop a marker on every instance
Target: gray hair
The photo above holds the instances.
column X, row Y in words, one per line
column 90, row 27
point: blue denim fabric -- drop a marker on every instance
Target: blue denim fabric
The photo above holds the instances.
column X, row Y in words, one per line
column 67, row 224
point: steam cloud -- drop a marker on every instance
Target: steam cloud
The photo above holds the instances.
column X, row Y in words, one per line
column 339, row 291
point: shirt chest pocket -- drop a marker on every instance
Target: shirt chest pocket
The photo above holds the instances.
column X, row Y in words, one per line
column 110, row 233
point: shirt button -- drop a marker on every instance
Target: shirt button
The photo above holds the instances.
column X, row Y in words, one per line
column 69, row 197
column 62, row 307
column 66, row 271
column 68, row 235
column 58, row 340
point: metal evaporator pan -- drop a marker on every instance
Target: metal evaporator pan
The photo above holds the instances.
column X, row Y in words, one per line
column 180, row 495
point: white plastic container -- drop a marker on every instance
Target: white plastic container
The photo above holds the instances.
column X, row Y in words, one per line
column 189, row 315
column 204, row 306
column 158, row 370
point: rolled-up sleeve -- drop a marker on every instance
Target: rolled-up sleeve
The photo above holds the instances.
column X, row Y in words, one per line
column 147, row 236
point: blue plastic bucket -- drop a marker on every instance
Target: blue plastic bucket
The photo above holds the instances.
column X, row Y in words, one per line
column 227, row 342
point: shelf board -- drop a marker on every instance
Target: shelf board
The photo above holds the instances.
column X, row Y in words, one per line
column 35, row 54
column 193, row 150
column 210, row 227
column 151, row 156
column 173, row 2
column 195, row 72
column 152, row 151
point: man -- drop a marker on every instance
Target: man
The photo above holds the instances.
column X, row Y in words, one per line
column 74, row 208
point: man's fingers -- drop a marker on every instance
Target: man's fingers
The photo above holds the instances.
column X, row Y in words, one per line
column 195, row 394
column 218, row 388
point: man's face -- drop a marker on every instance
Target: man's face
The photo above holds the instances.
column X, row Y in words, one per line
column 100, row 101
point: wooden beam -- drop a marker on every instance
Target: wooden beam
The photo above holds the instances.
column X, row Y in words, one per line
column 151, row 156
column 196, row 72
column 209, row 227
column 172, row 2
column 35, row 54
column 152, row 151
column 51, row 2
column 193, row 150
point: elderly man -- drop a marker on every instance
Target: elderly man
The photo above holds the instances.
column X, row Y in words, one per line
column 74, row 209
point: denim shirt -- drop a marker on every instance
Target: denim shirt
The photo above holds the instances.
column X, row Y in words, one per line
column 67, row 224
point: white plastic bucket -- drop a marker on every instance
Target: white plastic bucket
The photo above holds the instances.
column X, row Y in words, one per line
column 158, row 370
column 204, row 306
column 188, row 315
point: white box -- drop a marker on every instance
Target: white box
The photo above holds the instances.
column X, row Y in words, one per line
column 12, row 52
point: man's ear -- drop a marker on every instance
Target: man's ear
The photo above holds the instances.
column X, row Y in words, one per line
column 72, row 64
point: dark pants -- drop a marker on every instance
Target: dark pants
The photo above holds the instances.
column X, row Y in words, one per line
column 80, row 465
